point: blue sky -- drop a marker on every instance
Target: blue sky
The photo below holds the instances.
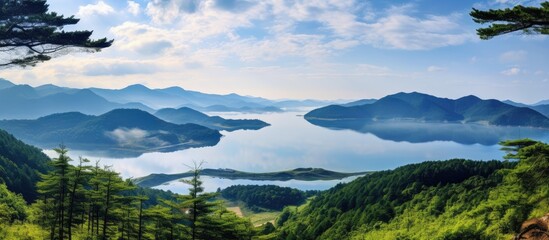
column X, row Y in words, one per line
column 322, row 49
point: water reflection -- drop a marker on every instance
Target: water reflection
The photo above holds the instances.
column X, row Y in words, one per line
column 291, row 142
column 414, row 132
column 211, row 184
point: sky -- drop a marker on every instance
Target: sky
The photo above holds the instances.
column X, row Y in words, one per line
column 299, row 49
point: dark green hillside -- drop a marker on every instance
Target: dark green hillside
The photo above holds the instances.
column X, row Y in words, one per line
column 423, row 107
column 129, row 129
column 271, row 197
column 455, row 199
column 187, row 115
column 21, row 165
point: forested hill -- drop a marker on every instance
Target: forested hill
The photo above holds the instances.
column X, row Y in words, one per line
column 455, row 199
column 423, row 107
column 20, row 165
column 121, row 129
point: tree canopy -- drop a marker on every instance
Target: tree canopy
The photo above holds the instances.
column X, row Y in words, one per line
column 519, row 18
column 29, row 34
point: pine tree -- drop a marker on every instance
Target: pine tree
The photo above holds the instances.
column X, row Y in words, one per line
column 198, row 205
column 31, row 34
column 54, row 188
column 519, row 18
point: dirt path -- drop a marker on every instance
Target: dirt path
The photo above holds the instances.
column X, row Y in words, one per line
column 236, row 210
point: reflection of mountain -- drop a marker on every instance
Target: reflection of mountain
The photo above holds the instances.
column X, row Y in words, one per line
column 423, row 107
column 187, row 115
column 415, row 132
column 126, row 132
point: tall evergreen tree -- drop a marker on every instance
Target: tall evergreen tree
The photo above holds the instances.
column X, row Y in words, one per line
column 198, row 204
column 30, row 34
column 54, row 188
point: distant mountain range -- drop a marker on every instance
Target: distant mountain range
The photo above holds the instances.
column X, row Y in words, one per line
column 187, row 115
column 127, row 132
column 26, row 102
column 426, row 108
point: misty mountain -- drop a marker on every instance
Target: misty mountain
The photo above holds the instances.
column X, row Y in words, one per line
column 422, row 107
column 541, row 108
column 516, row 104
column 544, row 102
column 26, row 102
column 359, row 102
column 187, row 115
column 121, row 129
column 177, row 97
column 246, row 109
column 293, row 104
column 5, row 83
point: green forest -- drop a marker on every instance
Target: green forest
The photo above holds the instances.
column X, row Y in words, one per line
column 74, row 199
column 63, row 198
column 455, row 199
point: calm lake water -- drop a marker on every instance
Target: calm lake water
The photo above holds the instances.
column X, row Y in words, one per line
column 292, row 142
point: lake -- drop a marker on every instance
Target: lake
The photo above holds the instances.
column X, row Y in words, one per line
column 292, row 142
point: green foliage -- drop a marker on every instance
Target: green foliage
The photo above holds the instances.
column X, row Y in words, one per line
column 456, row 199
column 267, row 196
column 411, row 195
column 519, row 18
column 31, row 34
column 12, row 206
column 20, row 166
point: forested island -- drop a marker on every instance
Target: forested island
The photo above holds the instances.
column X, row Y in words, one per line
column 304, row 174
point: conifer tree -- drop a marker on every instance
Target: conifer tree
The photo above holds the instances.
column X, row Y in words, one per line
column 30, row 34
column 54, row 188
column 519, row 18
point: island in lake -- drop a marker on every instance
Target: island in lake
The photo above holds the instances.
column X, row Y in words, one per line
column 426, row 108
column 185, row 115
column 416, row 118
column 122, row 132
column 302, row 174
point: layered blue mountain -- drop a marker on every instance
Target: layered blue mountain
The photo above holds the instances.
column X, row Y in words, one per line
column 542, row 106
column 426, row 108
column 26, row 102
column 178, row 97
column 359, row 102
column 187, row 115
column 5, row 83
column 122, row 132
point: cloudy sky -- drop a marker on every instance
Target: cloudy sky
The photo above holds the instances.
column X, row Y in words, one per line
column 322, row 49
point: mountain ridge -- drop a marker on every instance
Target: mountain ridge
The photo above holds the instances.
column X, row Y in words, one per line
column 129, row 130
column 427, row 108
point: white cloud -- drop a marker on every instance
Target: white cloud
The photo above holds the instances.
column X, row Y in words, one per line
column 118, row 68
column 135, row 137
column 144, row 39
column 513, row 56
column 401, row 31
column 100, row 8
column 435, row 69
column 511, row 71
column 134, row 8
